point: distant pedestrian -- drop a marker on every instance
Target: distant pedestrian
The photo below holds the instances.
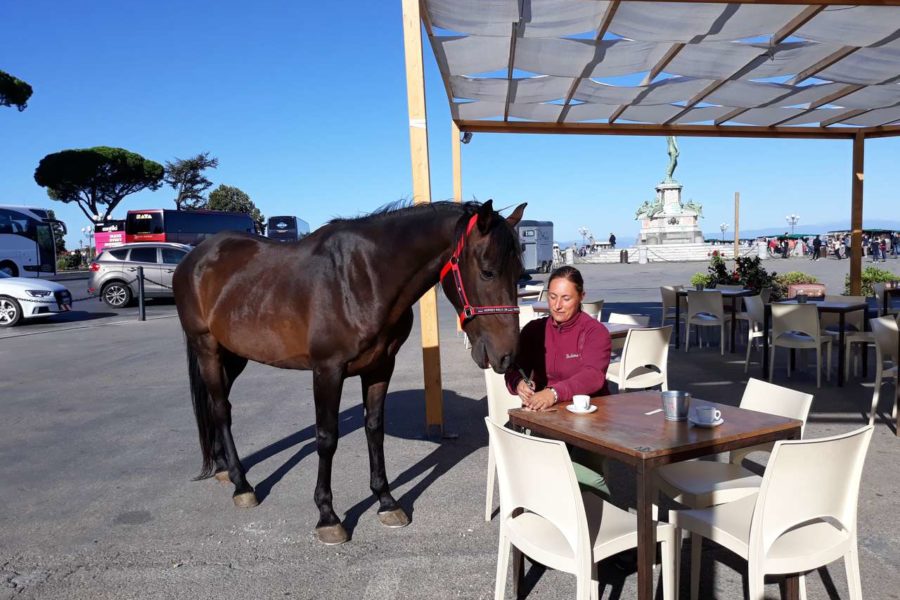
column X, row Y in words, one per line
column 874, row 248
column 817, row 246
column 612, row 240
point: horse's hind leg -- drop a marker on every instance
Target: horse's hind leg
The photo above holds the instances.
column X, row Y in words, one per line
column 327, row 384
column 233, row 366
column 219, row 368
column 374, row 387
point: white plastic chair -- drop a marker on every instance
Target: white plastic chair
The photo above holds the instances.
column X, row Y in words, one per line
column 499, row 401
column 804, row 516
column 796, row 326
column 705, row 309
column 644, row 362
column 887, row 337
column 594, row 308
column 531, row 291
column 636, row 320
column 703, row 483
column 669, row 295
column 544, row 515
column 755, row 317
column 526, row 315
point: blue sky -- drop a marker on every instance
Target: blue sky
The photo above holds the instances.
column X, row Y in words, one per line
column 304, row 104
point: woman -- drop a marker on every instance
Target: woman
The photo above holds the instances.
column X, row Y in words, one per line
column 564, row 355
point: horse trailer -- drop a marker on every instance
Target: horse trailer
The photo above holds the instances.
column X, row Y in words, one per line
column 536, row 238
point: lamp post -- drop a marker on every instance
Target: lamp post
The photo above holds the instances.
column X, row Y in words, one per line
column 723, row 227
column 792, row 220
column 584, row 232
column 88, row 232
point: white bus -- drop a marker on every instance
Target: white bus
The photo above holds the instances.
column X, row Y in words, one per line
column 27, row 247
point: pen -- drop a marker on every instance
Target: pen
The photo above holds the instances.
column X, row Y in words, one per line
column 528, row 382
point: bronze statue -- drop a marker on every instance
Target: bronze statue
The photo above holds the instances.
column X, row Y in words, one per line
column 673, row 158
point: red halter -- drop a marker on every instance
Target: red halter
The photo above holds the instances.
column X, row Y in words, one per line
column 469, row 311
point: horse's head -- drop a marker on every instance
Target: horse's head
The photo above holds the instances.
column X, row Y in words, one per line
column 490, row 264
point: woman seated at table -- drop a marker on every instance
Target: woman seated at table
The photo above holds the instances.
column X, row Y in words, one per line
column 564, row 355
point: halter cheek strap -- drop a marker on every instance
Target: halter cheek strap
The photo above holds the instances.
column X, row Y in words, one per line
column 452, row 266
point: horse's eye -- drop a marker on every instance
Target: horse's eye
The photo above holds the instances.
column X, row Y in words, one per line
column 487, row 274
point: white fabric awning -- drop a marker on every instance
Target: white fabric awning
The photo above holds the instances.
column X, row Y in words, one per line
column 668, row 63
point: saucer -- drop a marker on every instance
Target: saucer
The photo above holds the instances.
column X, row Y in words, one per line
column 571, row 408
column 715, row 423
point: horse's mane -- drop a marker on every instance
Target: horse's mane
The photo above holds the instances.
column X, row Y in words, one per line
column 506, row 243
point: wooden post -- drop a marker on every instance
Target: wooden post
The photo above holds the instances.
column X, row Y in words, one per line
column 456, row 152
column 856, row 215
column 737, row 225
column 421, row 176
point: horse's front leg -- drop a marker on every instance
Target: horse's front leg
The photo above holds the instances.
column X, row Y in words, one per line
column 374, row 389
column 327, row 384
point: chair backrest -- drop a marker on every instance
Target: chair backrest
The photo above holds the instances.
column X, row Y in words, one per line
column 669, row 295
column 887, row 337
column 526, row 315
column 766, row 294
column 536, row 474
column 639, row 320
column 807, row 481
column 543, row 295
column 803, row 318
column 499, row 400
column 756, row 308
column 766, row 397
column 645, row 348
column 708, row 301
column 593, row 308
column 855, row 318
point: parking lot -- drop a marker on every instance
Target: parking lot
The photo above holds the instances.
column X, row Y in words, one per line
column 98, row 447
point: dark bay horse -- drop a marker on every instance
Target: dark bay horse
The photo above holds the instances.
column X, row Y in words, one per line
column 339, row 303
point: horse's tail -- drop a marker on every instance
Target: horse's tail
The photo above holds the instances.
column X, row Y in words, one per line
column 202, row 412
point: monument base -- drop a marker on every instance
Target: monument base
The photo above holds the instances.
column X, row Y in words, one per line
column 672, row 252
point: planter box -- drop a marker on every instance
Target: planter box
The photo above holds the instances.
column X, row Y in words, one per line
column 810, row 289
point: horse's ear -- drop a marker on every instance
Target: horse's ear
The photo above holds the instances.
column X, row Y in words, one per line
column 485, row 214
column 516, row 215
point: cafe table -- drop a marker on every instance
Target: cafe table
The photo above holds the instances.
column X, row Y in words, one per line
column 734, row 295
column 631, row 428
column 824, row 306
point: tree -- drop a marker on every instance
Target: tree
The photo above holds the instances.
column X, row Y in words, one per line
column 96, row 177
column 185, row 176
column 13, row 91
column 234, row 199
column 58, row 236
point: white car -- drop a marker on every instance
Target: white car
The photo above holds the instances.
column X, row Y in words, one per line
column 27, row 298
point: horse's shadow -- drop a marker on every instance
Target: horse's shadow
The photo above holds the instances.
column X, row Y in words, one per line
column 404, row 419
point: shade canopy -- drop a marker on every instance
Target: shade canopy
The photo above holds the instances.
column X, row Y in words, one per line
column 816, row 69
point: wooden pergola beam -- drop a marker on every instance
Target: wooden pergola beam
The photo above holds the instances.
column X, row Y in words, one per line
column 787, row 2
column 641, row 129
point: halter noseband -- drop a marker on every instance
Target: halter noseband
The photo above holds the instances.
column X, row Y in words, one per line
column 468, row 311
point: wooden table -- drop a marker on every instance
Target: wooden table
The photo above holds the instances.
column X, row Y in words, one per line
column 733, row 294
column 829, row 306
column 621, row 429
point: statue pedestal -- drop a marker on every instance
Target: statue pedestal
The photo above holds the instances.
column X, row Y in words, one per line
column 667, row 220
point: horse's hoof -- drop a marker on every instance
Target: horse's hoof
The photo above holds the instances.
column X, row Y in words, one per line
column 332, row 535
column 246, row 500
column 394, row 518
column 222, row 477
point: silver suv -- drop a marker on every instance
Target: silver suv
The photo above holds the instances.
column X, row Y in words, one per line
column 114, row 272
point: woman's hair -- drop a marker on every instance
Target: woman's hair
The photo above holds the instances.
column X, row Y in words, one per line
column 570, row 273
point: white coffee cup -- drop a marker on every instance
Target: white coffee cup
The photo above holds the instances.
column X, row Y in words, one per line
column 581, row 401
column 707, row 414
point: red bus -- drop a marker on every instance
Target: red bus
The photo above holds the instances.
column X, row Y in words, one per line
column 182, row 226
column 108, row 235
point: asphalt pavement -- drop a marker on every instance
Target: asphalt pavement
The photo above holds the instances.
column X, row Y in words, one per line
column 98, row 448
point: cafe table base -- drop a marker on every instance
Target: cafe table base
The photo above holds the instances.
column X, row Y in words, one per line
column 631, row 428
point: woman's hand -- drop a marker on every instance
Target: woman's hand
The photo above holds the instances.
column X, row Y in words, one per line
column 540, row 400
column 525, row 392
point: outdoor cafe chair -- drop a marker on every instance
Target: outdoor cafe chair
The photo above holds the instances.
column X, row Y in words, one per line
column 879, row 288
column 702, row 483
column 855, row 333
column 531, row 291
column 803, row 518
column 644, row 362
column 545, row 516
column 499, row 401
column 887, row 339
column 526, row 315
column 636, row 320
column 796, row 326
column 543, row 295
column 755, row 318
column 669, row 295
column 594, row 308
column 705, row 309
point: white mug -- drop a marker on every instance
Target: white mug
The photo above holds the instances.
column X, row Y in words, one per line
column 581, row 401
column 708, row 414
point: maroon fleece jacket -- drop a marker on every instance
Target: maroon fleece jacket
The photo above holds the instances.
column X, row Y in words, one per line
column 572, row 358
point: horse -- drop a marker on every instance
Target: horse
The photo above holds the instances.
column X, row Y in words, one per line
column 339, row 303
